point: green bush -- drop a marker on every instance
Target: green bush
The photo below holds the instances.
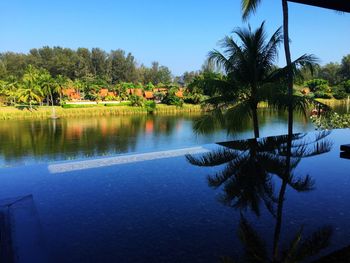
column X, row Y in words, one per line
column 194, row 98
column 110, row 98
column 150, row 106
column 136, row 101
column 339, row 93
column 318, row 85
column 172, row 99
column 149, row 86
column 345, row 85
column 159, row 96
column 322, row 95
column 310, row 95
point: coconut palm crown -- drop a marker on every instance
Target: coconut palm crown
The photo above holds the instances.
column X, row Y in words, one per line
column 249, row 64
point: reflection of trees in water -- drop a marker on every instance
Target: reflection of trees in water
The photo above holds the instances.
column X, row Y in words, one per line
column 265, row 116
column 74, row 137
column 247, row 182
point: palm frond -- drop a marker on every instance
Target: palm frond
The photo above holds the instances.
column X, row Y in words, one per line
column 254, row 246
column 302, row 184
column 289, row 255
column 214, row 158
column 318, row 240
column 248, row 7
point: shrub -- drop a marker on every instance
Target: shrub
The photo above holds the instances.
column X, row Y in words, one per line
column 345, row 85
column 310, row 95
column 110, row 98
column 339, row 93
column 194, row 98
column 318, row 85
column 171, row 99
column 149, row 86
column 150, row 106
column 322, row 95
column 159, row 96
column 136, row 101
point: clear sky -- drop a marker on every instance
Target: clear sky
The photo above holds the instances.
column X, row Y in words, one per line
column 177, row 33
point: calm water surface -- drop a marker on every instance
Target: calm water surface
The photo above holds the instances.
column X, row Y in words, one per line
column 172, row 210
column 62, row 206
column 28, row 141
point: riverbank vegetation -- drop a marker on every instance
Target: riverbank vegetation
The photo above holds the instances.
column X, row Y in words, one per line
column 83, row 78
column 44, row 112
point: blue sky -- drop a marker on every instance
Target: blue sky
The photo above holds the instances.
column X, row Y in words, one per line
column 177, row 33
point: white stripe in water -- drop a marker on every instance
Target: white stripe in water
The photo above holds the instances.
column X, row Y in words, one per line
column 96, row 163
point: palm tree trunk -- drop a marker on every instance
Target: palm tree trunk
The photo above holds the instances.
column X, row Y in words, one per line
column 289, row 63
column 255, row 121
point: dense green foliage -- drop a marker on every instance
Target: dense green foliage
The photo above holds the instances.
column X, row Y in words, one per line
column 83, row 64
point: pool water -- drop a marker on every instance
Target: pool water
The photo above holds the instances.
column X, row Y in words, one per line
column 163, row 207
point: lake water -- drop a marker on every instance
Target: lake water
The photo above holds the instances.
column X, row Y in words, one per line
column 159, row 207
column 32, row 141
column 121, row 189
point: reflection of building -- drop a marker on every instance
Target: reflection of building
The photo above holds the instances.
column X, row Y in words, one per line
column 21, row 234
column 149, row 126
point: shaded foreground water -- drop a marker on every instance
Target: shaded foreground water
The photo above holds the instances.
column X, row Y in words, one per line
column 32, row 141
column 164, row 207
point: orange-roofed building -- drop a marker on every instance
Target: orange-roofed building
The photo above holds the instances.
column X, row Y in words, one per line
column 179, row 94
column 149, row 95
column 138, row 92
column 71, row 93
column 103, row 93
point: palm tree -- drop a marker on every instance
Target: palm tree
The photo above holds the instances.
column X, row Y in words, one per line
column 30, row 90
column 247, row 64
column 250, row 76
column 61, row 83
column 47, row 86
column 250, row 6
column 28, row 93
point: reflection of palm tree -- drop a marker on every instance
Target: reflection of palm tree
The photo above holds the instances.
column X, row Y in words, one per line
column 299, row 248
column 249, row 165
column 246, row 180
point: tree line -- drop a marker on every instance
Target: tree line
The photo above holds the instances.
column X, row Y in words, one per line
column 108, row 67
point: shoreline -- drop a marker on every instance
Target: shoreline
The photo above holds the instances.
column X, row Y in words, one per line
column 45, row 112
